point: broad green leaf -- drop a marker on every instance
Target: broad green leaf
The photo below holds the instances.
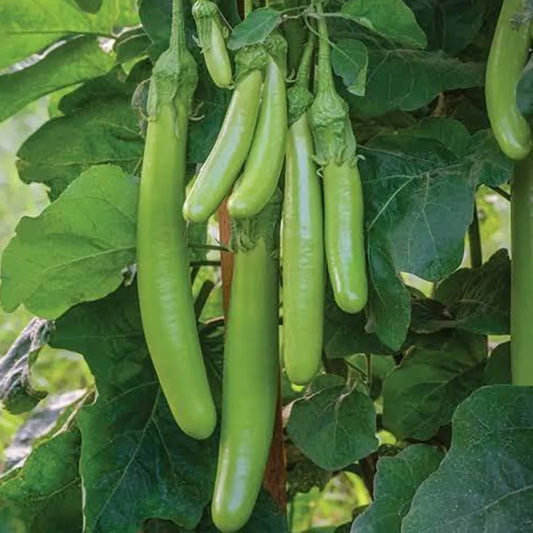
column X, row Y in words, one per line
column 349, row 58
column 485, row 482
column 255, row 28
column 98, row 126
column 421, row 394
column 409, row 79
column 395, row 484
column 16, row 390
column 68, row 64
column 76, row 249
column 391, row 19
column 343, row 428
column 498, row 369
column 419, row 192
column 478, row 299
column 136, row 464
column 45, row 493
column 29, row 26
column 450, row 25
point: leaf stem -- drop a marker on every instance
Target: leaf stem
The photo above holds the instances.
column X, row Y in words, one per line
column 304, row 71
column 501, row 192
column 474, row 241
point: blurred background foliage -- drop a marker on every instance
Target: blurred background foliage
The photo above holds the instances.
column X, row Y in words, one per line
column 317, row 510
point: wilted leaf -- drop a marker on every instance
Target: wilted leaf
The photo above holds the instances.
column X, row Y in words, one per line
column 16, row 391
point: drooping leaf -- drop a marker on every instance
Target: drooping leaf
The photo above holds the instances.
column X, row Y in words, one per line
column 486, row 479
column 419, row 192
column 409, row 79
column 16, row 390
column 68, row 64
column 421, row 394
column 343, row 428
column 136, row 464
column 349, row 59
column 45, row 493
column 395, row 484
column 255, row 28
column 478, row 299
column 76, row 249
column 98, row 126
column 389, row 18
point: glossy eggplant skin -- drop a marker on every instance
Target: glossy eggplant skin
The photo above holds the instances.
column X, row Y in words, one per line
column 507, row 58
column 344, row 235
column 303, row 257
column 222, row 166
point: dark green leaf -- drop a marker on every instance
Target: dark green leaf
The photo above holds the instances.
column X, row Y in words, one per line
column 450, row 25
column 409, row 79
column 45, row 493
column 498, row 369
column 343, row 428
column 419, row 192
column 344, row 333
column 76, row 249
column 68, row 64
column 349, row 58
column 16, row 391
column 395, row 484
column 389, row 18
column 255, row 28
column 524, row 90
column 421, row 394
column 485, row 482
column 478, row 299
column 136, row 464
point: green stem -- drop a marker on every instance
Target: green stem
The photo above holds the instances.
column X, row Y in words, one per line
column 521, row 278
column 474, row 241
column 304, row 71
column 178, row 41
column 325, row 76
column 248, row 7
